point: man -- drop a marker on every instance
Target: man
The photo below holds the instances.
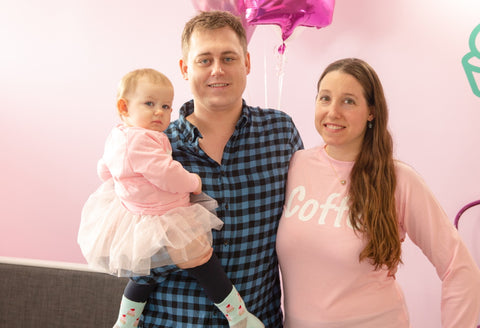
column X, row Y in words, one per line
column 242, row 154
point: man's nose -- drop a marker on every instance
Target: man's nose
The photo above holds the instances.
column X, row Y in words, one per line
column 217, row 68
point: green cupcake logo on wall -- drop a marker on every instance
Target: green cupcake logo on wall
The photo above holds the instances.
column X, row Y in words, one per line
column 471, row 61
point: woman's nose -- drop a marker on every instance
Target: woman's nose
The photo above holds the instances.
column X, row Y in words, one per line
column 334, row 109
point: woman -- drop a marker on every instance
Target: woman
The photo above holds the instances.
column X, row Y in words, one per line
column 348, row 207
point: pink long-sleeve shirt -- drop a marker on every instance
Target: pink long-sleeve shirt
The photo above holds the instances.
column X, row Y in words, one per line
column 147, row 179
column 325, row 285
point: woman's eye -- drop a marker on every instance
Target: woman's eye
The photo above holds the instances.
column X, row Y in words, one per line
column 349, row 101
column 323, row 98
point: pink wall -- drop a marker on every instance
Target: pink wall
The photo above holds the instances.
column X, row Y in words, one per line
column 60, row 62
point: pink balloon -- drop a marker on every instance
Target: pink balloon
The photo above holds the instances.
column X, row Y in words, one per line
column 236, row 7
column 288, row 14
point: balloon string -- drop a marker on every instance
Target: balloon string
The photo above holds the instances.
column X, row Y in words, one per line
column 281, row 73
column 265, row 75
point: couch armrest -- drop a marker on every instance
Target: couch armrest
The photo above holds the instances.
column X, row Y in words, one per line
column 63, row 295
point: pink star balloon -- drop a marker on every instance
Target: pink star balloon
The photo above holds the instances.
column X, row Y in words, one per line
column 236, row 7
column 288, row 14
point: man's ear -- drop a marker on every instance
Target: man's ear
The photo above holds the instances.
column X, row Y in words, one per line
column 183, row 69
column 122, row 107
column 247, row 62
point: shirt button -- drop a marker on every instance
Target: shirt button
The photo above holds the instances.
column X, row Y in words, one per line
column 226, row 243
column 226, row 206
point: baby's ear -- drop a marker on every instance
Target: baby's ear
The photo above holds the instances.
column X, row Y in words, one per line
column 122, row 107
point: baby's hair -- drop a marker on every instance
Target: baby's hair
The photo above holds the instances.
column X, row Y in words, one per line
column 128, row 83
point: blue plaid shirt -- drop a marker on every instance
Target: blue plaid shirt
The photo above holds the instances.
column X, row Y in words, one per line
column 249, row 187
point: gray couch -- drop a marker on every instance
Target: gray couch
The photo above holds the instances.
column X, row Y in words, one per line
column 57, row 295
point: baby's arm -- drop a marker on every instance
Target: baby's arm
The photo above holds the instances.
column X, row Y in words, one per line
column 150, row 156
column 103, row 171
column 199, row 189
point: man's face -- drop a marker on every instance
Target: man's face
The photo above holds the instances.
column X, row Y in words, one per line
column 216, row 69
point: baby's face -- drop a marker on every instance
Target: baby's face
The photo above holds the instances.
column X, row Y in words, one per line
column 150, row 106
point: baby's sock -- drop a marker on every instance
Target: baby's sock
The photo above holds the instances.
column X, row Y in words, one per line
column 236, row 312
column 133, row 302
column 129, row 314
column 221, row 291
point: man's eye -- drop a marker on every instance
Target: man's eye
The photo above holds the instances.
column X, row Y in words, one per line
column 203, row 61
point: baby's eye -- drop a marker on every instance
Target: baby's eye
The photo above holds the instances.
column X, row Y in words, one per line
column 166, row 107
column 150, row 103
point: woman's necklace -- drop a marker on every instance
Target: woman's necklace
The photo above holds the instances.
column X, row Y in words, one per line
column 342, row 181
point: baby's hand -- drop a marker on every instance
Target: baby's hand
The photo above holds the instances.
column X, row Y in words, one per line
column 198, row 191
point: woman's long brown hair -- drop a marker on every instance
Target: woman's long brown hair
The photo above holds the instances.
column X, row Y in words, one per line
column 373, row 179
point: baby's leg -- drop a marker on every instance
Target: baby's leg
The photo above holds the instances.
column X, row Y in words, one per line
column 206, row 268
column 196, row 253
column 133, row 301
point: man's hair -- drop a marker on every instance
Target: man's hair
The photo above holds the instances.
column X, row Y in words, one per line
column 211, row 20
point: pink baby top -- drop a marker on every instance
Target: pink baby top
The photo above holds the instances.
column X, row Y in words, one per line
column 325, row 285
column 147, row 179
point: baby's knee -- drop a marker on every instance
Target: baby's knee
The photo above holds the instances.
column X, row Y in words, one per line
column 201, row 256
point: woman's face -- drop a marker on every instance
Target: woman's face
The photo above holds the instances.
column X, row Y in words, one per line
column 342, row 114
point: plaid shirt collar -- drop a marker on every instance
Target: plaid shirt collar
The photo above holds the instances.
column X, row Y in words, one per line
column 191, row 133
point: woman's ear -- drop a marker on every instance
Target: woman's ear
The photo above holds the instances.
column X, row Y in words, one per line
column 372, row 114
column 122, row 107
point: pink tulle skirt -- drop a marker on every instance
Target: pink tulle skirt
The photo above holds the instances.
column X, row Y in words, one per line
column 119, row 242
